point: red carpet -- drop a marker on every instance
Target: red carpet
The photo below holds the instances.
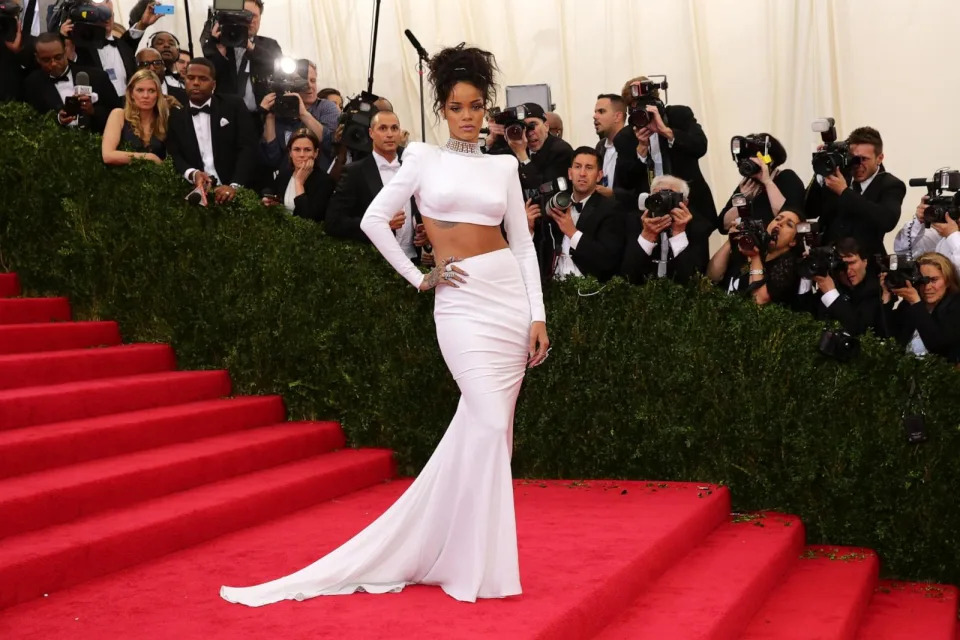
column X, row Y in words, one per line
column 129, row 492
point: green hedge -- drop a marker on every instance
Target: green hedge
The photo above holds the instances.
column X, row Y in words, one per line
column 654, row 382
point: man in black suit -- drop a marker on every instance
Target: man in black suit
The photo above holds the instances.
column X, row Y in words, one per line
column 865, row 209
column 11, row 75
column 362, row 180
column 117, row 58
column 244, row 71
column 851, row 295
column 48, row 88
column 586, row 238
column 212, row 140
column 658, row 246
column 670, row 145
column 609, row 119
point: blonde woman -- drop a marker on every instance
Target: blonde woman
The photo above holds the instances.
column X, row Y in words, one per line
column 138, row 131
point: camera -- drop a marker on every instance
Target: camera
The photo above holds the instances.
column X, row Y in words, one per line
column 743, row 148
column 644, row 94
column 900, row 270
column 89, row 18
column 512, row 120
column 9, row 20
column 662, row 202
column 356, row 118
column 820, row 261
column 836, row 154
column 940, row 205
column 234, row 22
column 839, row 345
column 750, row 234
column 550, row 195
column 289, row 76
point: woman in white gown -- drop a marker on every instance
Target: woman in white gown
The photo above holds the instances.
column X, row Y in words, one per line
column 454, row 526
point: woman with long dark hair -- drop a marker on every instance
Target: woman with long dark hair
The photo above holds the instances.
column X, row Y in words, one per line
column 454, row 527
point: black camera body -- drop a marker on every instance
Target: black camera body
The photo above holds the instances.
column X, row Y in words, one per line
column 744, row 148
column 289, row 76
column 234, row 22
column 9, row 20
column 751, row 233
column 512, row 120
column 550, row 195
column 940, row 205
column 839, row 345
column 88, row 17
column 820, row 261
column 662, row 202
column 900, row 270
column 835, row 154
column 356, row 118
column 644, row 94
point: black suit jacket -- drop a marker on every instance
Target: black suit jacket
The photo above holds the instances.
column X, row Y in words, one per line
column 262, row 58
column 858, row 308
column 866, row 217
column 126, row 45
column 638, row 267
column 552, row 161
column 233, row 136
column 682, row 160
column 41, row 93
column 318, row 188
column 600, row 249
column 11, row 75
column 359, row 184
column 939, row 330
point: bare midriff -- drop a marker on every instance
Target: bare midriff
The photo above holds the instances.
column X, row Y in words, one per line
column 462, row 239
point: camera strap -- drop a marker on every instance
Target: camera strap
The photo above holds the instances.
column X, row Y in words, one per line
column 915, row 391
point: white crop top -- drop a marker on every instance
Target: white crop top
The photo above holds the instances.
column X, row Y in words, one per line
column 454, row 187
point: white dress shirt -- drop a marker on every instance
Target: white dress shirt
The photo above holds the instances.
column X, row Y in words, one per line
column 112, row 62
column 657, row 154
column 67, row 89
column 405, row 233
column 35, row 25
column 914, row 240
column 248, row 98
column 201, row 125
column 565, row 265
column 609, row 161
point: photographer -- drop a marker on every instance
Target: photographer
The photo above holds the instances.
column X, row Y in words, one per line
column 117, row 56
column 244, row 71
column 915, row 238
column 319, row 116
column 761, row 261
column 671, row 144
column 867, row 206
column 647, row 256
column 851, row 294
column 590, row 230
column 768, row 188
column 11, row 75
column 542, row 157
column 928, row 317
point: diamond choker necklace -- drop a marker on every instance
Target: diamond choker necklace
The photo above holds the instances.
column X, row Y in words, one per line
column 463, row 148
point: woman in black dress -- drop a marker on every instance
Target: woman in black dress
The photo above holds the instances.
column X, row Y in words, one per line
column 303, row 188
column 139, row 129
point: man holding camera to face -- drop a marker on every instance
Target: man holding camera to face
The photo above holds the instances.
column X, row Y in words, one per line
column 859, row 199
column 585, row 229
column 542, row 157
column 850, row 293
column 934, row 228
column 657, row 242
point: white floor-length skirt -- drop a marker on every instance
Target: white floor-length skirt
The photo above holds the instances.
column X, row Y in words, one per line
column 454, row 526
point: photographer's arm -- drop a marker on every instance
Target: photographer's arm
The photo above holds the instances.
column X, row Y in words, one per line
column 761, row 294
column 785, row 188
column 940, row 335
column 717, row 267
column 688, row 135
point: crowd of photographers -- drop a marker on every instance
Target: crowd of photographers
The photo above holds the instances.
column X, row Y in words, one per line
column 635, row 204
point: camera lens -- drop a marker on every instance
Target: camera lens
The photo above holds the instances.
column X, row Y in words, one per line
column 515, row 131
column 748, row 168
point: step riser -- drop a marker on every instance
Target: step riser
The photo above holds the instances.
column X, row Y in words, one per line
column 57, row 337
column 9, row 285
column 88, row 442
column 34, row 310
column 34, row 576
column 33, row 370
column 37, row 511
column 58, row 405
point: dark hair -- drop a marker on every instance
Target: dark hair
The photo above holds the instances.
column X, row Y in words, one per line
column 866, row 135
column 259, row 4
column 586, row 151
column 300, row 134
column 615, row 101
column 794, row 210
column 50, row 36
column 204, row 62
column 462, row 64
column 777, row 152
column 329, row 91
column 850, row 247
column 160, row 33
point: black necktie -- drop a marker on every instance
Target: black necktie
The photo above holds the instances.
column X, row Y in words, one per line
column 578, row 206
column 858, row 187
column 195, row 111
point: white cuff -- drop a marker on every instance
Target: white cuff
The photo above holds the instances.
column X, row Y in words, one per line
column 646, row 245
column 188, row 174
column 644, row 158
column 575, row 239
column 679, row 242
column 829, row 297
column 135, row 33
column 670, row 143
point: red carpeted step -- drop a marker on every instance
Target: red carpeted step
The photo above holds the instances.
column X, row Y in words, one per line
column 9, row 285
column 31, row 310
column 46, row 446
column 55, row 336
column 58, row 367
column 51, row 559
column 75, row 400
column 714, row 591
column 824, row 596
column 910, row 611
column 38, row 500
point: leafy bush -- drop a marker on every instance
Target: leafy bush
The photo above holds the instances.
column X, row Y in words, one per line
column 643, row 382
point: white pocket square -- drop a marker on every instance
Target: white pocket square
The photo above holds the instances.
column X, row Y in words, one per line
column 224, row 122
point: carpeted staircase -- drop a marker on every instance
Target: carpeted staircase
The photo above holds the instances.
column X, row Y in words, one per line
column 111, row 460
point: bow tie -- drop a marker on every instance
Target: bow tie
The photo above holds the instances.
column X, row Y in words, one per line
column 578, row 206
column 64, row 78
column 195, row 111
column 112, row 43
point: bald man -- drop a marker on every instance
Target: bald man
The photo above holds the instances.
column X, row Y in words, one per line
column 554, row 124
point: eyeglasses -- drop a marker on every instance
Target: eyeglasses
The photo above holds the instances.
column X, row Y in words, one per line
column 150, row 63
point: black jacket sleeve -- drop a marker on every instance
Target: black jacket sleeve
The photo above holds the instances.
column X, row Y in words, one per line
column 312, row 205
column 600, row 250
column 176, row 147
column 857, row 318
column 688, row 136
column 881, row 215
column 940, row 330
column 346, row 209
column 246, row 146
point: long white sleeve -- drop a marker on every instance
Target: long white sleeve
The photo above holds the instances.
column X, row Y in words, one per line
column 392, row 198
column 914, row 235
column 521, row 244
